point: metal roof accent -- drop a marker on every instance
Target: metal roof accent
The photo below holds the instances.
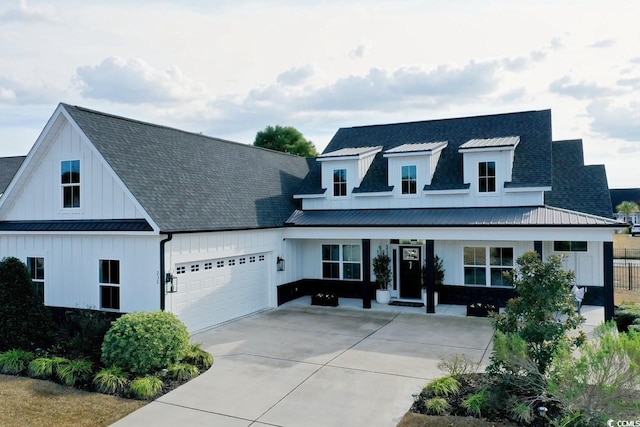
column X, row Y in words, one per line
column 78, row 225
column 424, row 146
column 527, row 216
column 346, row 152
column 506, row 141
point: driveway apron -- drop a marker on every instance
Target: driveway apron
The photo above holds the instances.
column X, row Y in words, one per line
column 316, row 366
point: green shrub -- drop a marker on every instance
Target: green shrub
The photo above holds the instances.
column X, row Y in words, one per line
column 437, row 406
column 24, row 321
column 110, row 380
column 81, row 332
column 142, row 343
column 75, row 371
column 42, row 367
column 146, row 388
column 477, row 403
column 183, row 371
column 601, row 378
column 626, row 315
column 15, row 361
column 457, row 364
column 197, row 356
column 443, row 386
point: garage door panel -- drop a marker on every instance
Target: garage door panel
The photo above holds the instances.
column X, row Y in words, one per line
column 215, row 291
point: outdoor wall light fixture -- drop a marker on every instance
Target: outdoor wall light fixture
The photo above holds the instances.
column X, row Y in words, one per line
column 280, row 263
column 169, row 282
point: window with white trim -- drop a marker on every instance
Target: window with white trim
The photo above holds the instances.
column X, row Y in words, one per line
column 486, row 266
column 70, row 182
column 109, row 278
column 409, row 179
column 35, row 265
column 339, row 182
column 342, row 262
column 487, row 177
column 569, row 246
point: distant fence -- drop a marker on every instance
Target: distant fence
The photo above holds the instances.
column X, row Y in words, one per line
column 626, row 269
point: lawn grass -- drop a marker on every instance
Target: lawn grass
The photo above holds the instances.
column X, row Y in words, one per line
column 27, row 401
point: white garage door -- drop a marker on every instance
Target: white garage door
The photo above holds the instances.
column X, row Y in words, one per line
column 213, row 291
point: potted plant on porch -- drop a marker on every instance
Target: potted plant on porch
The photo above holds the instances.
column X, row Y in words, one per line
column 382, row 270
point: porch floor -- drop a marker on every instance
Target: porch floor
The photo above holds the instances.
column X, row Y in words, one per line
column 593, row 314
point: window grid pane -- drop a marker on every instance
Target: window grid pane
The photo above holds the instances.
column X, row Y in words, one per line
column 409, row 180
column 109, row 271
column 487, row 177
column 340, row 182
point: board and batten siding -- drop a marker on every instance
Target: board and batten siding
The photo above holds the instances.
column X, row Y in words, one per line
column 71, row 264
column 102, row 196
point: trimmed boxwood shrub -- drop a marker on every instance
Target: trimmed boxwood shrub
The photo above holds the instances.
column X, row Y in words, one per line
column 24, row 321
column 145, row 342
column 626, row 315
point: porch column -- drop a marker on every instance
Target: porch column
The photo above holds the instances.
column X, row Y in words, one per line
column 607, row 251
column 537, row 246
column 428, row 273
column 366, row 273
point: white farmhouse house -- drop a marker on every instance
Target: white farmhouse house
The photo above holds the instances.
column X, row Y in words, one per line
column 120, row 215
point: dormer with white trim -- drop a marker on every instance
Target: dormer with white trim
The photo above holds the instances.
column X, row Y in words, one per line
column 344, row 169
column 488, row 164
column 411, row 167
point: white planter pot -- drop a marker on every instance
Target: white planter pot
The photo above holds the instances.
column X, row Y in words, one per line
column 424, row 298
column 382, row 296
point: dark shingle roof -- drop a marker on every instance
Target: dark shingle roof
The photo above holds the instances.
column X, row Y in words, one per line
column 191, row 182
column 8, row 168
column 619, row 195
column 527, row 216
column 532, row 163
column 576, row 186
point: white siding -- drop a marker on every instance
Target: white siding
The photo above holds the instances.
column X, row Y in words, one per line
column 71, row 267
column 102, row 196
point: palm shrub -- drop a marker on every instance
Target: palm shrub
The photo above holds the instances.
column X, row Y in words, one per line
column 42, row 367
column 24, row 321
column 110, row 380
column 145, row 342
column 197, row 356
column 146, row 388
column 75, row 371
column 15, row 361
column 183, row 371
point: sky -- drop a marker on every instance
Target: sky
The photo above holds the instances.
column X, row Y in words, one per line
column 228, row 69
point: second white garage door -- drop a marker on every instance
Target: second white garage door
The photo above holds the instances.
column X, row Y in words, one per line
column 213, row 291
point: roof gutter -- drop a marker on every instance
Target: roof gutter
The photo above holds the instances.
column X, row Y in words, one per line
column 162, row 270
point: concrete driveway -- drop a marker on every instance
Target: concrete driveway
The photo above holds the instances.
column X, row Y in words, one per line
column 299, row 365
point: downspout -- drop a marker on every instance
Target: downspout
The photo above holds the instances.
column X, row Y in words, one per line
column 162, row 272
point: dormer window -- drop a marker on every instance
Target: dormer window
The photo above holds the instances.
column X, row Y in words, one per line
column 487, row 177
column 70, row 181
column 339, row 182
column 409, row 179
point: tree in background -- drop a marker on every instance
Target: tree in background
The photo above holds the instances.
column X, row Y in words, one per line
column 628, row 208
column 286, row 139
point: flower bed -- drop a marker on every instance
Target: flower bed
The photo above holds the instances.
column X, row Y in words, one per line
column 325, row 299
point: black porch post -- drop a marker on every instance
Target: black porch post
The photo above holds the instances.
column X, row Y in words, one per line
column 607, row 249
column 537, row 246
column 366, row 273
column 429, row 273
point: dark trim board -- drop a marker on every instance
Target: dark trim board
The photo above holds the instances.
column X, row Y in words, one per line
column 343, row 289
column 463, row 295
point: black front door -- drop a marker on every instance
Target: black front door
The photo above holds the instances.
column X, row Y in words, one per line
column 410, row 272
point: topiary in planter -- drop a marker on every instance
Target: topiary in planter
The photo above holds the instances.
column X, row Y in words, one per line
column 142, row 343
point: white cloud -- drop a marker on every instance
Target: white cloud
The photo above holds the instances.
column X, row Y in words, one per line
column 581, row 90
column 358, row 52
column 133, row 81
column 26, row 91
column 616, row 121
column 296, row 75
column 26, row 13
column 603, row 43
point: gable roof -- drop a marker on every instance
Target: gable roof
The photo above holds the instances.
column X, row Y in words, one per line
column 619, row 195
column 531, row 167
column 191, row 182
column 8, row 168
column 576, row 186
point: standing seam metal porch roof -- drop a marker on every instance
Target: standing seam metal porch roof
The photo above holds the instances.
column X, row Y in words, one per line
column 528, row 216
